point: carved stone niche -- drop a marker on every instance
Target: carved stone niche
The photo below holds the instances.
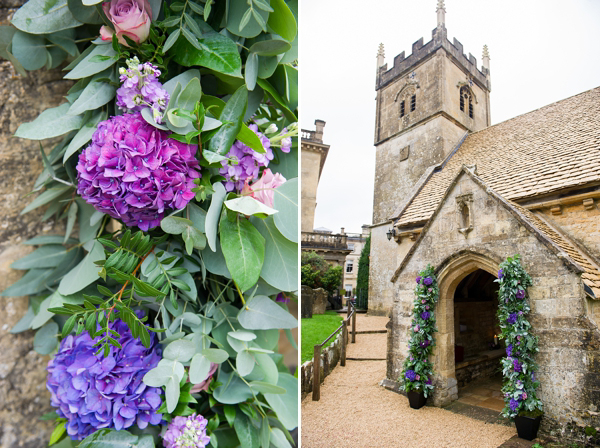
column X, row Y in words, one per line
column 404, row 153
column 464, row 206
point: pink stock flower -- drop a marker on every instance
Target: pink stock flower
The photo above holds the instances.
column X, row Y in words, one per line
column 131, row 18
column 204, row 384
column 263, row 188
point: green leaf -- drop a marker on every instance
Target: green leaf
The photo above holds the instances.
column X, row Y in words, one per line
column 271, row 47
column 175, row 225
column 229, row 414
column 30, row 50
column 231, row 116
column 212, row 216
column 69, row 325
column 244, row 363
column 48, row 256
column 108, row 438
column 232, row 390
column 267, row 66
column 57, row 433
column 43, row 16
column 285, row 81
column 281, row 20
column 278, row 99
column 242, row 335
column 24, row 323
column 45, row 340
column 214, row 262
column 87, row 68
column 278, row 439
column 158, row 376
column 248, row 206
column 181, row 350
column 187, row 100
column 197, row 216
column 199, row 368
column 85, row 273
column 83, row 13
column 286, row 405
column 215, row 355
column 238, row 14
column 266, row 388
column 285, row 200
column 65, row 40
column 32, row 282
column 244, row 250
column 95, row 95
column 262, row 313
column 251, row 71
column 48, row 239
column 247, row 434
column 171, row 40
column 71, row 217
column 50, row 123
column 172, row 393
column 248, row 137
column 218, row 53
column 146, row 441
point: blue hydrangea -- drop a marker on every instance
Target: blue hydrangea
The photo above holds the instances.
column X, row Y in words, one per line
column 93, row 392
column 410, row 375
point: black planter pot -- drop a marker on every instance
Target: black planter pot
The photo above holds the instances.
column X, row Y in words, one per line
column 527, row 427
column 416, row 399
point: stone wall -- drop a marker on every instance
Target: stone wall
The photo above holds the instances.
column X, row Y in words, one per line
column 23, row 394
column 569, row 340
column 329, row 359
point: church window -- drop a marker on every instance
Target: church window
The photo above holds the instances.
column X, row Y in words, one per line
column 413, row 103
column 402, row 108
column 466, row 97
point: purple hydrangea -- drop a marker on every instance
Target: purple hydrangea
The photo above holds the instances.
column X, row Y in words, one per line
column 500, row 274
column 428, row 381
column 514, row 404
column 134, row 172
column 509, row 350
column 419, row 279
column 517, row 365
column 243, row 163
column 520, row 294
column 93, row 392
column 187, row 432
column 140, row 88
column 512, row 319
column 410, row 375
column 425, row 315
column 424, row 343
column 282, row 298
column 428, row 281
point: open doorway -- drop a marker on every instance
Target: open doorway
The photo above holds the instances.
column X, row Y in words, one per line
column 478, row 350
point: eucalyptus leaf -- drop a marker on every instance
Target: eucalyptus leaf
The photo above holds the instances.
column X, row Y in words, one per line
column 95, row 95
column 199, row 368
column 30, row 50
column 181, row 350
column 46, row 340
column 232, row 389
column 231, row 116
column 271, row 47
column 158, row 376
column 262, row 313
column 286, row 405
column 282, row 21
column 48, row 256
column 278, row 439
column 244, row 362
column 213, row 214
column 108, row 438
column 87, row 68
column 42, row 17
column 244, row 250
column 215, row 261
column 32, row 282
column 266, row 388
column 172, row 394
column 50, row 123
column 24, row 323
column 85, row 273
column 237, row 10
column 83, row 13
column 215, row 355
column 246, row 433
column 251, row 71
column 248, row 206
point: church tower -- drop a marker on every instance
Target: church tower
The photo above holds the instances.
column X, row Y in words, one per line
column 426, row 104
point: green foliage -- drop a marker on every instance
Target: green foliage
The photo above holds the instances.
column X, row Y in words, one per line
column 317, row 273
column 417, row 372
column 518, row 367
column 362, row 278
column 315, row 330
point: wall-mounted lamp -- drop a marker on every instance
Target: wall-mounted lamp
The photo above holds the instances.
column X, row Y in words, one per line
column 390, row 233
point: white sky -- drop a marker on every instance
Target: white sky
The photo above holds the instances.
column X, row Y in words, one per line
column 541, row 51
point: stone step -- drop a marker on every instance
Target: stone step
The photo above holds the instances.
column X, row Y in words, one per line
column 365, row 359
column 370, row 331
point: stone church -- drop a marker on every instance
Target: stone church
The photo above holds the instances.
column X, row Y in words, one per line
column 453, row 191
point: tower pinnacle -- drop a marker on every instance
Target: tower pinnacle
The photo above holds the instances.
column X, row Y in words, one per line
column 441, row 14
column 486, row 57
column 380, row 56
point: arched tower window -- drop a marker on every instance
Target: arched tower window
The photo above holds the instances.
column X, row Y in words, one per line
column 402, row 110
column 413, row 103
column 466, row 100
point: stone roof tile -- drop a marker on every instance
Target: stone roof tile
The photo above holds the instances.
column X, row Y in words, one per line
column 551, row 148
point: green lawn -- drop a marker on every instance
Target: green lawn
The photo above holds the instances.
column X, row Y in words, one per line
column 315, row 330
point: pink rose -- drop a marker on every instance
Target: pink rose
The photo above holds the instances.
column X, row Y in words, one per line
column 418, row 377
column 131, row 18
column 204, row 384
column 524, row 395
column 417, row 328
column 262, row 189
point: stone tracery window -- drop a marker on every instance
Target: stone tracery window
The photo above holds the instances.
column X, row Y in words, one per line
column 413, row 103
column 466, row 100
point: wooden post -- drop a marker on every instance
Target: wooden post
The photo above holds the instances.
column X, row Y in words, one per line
column 316, row 392
column 348, row 305
column 354, row 326
column 344, row 342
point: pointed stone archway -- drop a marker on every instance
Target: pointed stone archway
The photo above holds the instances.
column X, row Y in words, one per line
column 449, row 275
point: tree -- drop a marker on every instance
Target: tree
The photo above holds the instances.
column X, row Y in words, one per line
column 362, row 278
column 317, row 273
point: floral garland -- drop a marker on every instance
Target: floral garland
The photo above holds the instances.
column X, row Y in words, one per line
column 518, row 367
column 417, row 373
column 176, row 174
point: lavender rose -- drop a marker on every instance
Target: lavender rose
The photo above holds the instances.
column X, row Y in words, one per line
column 131, row 18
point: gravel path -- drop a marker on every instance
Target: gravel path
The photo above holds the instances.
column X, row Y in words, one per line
column 354, row 411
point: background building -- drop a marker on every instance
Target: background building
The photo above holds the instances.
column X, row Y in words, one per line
column 356, row 242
